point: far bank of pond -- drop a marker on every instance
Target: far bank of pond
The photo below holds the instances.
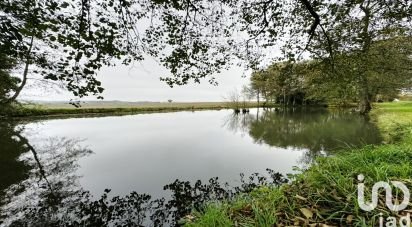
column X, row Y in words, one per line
column 60, row 109
column 66, row 164
column 110, row 108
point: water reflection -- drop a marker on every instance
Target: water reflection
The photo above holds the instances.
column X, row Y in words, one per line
column 49, row 178
column 12, row 169
column 318, row 130
column 40, row 177
column 46, row 190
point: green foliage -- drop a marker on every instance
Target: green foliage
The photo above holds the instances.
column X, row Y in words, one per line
column 387, row 72
column 285, row 83
column 69, row 41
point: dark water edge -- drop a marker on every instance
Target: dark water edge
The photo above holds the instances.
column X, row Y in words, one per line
column 79, row 208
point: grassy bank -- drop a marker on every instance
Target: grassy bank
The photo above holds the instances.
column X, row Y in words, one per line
column 326, row 193
column 109, row 108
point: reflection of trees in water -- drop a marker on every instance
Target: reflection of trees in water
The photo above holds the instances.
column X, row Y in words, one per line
column 12, row 170
column 48, row 193
column 238, row 122
column 51, row 177
column 304, row 128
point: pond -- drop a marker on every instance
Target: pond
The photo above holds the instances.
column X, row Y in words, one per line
column 52, row 170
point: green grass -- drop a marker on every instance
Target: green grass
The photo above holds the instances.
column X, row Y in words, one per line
column 326, row 193
column 402, row 106
column 393, row 119
column 214, row 216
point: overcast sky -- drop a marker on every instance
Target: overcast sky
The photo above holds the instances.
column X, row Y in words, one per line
column 140, row 82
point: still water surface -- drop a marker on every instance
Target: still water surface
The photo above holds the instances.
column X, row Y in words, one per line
column 145, row 152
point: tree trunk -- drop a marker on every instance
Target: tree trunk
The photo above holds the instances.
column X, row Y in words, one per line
column 257, row 114
column 25, row 72
column 36, row 158
column 364, row 106
column 364, row 102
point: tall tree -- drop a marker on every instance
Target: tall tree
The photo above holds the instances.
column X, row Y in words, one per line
column 388, row 72
column 353, row 27
column 385, row 65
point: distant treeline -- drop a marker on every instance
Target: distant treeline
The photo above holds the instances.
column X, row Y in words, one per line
column 323, row 81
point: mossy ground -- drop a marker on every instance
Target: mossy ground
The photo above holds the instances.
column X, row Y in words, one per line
column 326, row 193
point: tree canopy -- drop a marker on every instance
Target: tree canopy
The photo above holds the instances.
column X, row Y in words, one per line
column 388, row 72
column 69, row 41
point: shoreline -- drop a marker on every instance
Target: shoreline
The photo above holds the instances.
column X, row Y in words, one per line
column 39, row 111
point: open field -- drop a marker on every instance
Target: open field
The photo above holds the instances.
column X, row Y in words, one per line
column 110, row 108
column 120, row 104
column 326, row 193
